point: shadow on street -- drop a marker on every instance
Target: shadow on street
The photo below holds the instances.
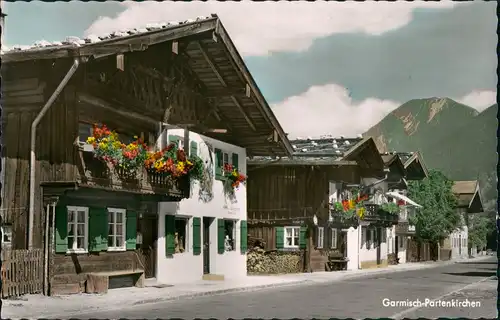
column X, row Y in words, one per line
column 483, row 274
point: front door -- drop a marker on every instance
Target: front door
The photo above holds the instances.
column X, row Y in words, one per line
column 148, row 227
column 207, row 221
column 378, row 235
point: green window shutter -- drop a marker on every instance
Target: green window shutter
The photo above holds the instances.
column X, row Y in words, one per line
column 95, row 228
column 169, row 235
column 303, row 237
column 193, row 148
column 235, row 161
column 243, row 236
column 218, row 164
column 280, row 237
column 131, row 230
column 61, row 229
column 220, row 236
column 196, row 236
column 174, row 139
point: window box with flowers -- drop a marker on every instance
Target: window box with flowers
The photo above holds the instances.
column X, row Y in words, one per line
column 135, row 161
column 227, row 171
column 349, row 210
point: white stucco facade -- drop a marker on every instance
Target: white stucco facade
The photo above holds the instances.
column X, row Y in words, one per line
column 361, row 244
column 216, row 204
column 458, row 243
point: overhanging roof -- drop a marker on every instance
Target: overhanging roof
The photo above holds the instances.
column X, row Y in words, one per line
column 414, row 165
column 213, row 58
column 366, row 153
column 468, row 195
column 404, row 198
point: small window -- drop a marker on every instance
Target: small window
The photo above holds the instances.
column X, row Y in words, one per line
column 85, row 130
column 6, row 234
column 181, row 234
column 321, row 237
column 401, row 242
column 334, row 239
column 230, row 235
column 292, row 237
column 78, row 219
column 116, row 229
column 226, row 160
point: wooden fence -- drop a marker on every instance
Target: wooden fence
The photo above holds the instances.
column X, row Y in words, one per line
column 22, row 272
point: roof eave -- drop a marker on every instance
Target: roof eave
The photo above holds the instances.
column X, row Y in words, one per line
column 222, row 33
column 133, row 42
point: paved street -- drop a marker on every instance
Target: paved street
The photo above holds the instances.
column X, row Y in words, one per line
column 355, row 298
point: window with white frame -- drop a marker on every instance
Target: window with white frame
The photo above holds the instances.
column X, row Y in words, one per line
column 401, row 242
column 321, row 237
column 292, row 237
column 230, row 235
column 334, row 239
column 226, row 160
column 116, row 229
column 181, row 234
column 78, row 219
column 6, row 235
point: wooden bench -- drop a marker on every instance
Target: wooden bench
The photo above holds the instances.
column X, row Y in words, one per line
column 337, row 264
column 98, row 282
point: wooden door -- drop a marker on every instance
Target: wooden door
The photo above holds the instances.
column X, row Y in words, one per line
column 206, row 244
column 378, row 235
column 148, row 225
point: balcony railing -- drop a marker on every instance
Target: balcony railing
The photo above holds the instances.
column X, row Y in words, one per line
column 339, row 218
column 96, row 173
column 375, row 213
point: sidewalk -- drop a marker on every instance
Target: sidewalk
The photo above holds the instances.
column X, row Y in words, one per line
column 39, row 306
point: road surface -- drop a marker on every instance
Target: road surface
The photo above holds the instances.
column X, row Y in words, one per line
column 374, row 296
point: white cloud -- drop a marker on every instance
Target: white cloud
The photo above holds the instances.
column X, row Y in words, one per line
column 479, row 100
column 258, row 28
column 329, row 109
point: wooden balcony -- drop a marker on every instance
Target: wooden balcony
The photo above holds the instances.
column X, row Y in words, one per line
column 94, row 173
column 340, row 220
column 376, row 215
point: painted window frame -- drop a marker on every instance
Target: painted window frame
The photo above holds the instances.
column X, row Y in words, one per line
column 189, row 224
column 123, row 213
column 235, row 225
column 226, row 159
column 75, row 210
column 295, row 234
column 334, row 238
column 321, row 238
column 401, row 242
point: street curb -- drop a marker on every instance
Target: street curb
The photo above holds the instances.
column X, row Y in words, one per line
column 221, row 292
column 69, row 314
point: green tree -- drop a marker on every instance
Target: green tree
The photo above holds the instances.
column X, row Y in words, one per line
column 437, row 218
column 480, row 228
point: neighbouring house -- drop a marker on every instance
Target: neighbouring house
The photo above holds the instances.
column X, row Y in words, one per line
column 99, row 215
column 294, row 213
column 469, row 201
column 403, row 167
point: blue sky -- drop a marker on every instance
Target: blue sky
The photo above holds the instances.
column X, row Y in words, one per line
column 324, row 60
